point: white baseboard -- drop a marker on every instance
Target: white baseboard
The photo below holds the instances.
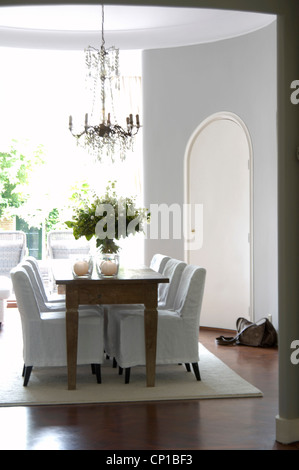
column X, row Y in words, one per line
column 287, row 430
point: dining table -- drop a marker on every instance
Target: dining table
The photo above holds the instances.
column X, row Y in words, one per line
column 132, row 285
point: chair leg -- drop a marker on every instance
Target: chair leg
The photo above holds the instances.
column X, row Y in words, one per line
column 26, row 374
column 93, row 370
column 97, row 371
column 114, row 363
column 127, row 375
column 196, row 370
column 187, row 365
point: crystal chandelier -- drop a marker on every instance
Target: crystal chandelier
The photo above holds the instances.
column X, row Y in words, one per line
column 106, row 138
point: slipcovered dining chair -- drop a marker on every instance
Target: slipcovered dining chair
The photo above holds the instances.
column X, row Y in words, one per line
column 47, row 297
column 50, row 305
column 44, row 333
column 173, row 270
column 178, row 328
column 158, row 262
column 41, row 297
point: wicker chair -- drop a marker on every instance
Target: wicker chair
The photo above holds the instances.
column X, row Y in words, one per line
column 12, row 250
column 63, row 245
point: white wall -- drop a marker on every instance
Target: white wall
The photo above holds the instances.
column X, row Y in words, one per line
column 182, row 87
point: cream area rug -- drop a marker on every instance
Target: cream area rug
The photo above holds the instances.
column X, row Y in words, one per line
column 48, row 386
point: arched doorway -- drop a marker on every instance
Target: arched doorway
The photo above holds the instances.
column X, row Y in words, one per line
column 218, row 176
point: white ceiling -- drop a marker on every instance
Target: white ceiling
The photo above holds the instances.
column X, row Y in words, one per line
column 127, row 27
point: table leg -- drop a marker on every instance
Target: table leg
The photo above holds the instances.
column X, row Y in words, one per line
column 150, row 333
column 72, row 319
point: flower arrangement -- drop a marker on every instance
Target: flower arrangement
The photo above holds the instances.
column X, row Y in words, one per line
column 107, row 218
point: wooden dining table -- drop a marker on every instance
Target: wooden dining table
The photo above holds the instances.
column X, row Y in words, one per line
column 131, row 286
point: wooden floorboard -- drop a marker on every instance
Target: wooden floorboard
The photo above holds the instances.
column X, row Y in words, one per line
column 223, row 424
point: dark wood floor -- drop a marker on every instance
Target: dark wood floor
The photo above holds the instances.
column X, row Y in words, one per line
column 243, row 423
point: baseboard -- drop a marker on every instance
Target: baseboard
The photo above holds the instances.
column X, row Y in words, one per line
column 210, row 328
column 287, row 430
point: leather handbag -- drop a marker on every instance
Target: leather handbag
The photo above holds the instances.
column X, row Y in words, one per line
column 260, row 334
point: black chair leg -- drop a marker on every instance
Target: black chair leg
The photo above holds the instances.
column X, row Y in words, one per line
column 114, row 363
column 127, row 375
column 97, row 370
column 196, row 370
column 187, row 365
column 26, row 374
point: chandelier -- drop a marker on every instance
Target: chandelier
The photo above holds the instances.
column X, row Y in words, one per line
column 106, row 138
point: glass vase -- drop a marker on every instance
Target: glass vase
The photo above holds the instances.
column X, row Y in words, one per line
column 107, row 264
column 82, row 266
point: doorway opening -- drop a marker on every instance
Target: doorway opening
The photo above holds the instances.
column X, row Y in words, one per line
column 218, row 176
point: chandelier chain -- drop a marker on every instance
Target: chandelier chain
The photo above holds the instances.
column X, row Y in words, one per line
column 103, row 18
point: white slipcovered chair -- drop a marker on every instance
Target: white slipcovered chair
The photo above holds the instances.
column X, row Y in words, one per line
column 158, row 262
column 173, row 270
column 44, row 333
column 47, row 297
column 44, row 304
column 12, row 250
column 166, row 293
column 178, row 328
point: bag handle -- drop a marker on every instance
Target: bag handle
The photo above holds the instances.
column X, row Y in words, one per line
column 231, row 340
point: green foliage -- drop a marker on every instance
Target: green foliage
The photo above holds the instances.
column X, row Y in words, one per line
column 90, row 212
column 15, row 171
column 52, row 220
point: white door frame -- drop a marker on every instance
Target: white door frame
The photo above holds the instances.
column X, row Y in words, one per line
column 223, row 115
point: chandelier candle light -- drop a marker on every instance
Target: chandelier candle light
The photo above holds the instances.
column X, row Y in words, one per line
column 106, row 137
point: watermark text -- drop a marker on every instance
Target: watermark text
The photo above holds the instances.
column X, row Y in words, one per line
column 295, row 94
column 167, row 222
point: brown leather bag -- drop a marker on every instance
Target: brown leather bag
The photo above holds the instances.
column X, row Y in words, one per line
column 260, row 334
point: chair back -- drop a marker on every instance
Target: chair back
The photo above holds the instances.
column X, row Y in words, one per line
column 35, row 285
column 158, row 262
column 190, row 292
column 12, row 250
column 25, row 297
column 63, row 245
column 38, row 275
column 167, row 291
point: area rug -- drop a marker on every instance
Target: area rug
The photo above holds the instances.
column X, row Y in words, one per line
column 48, row 386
